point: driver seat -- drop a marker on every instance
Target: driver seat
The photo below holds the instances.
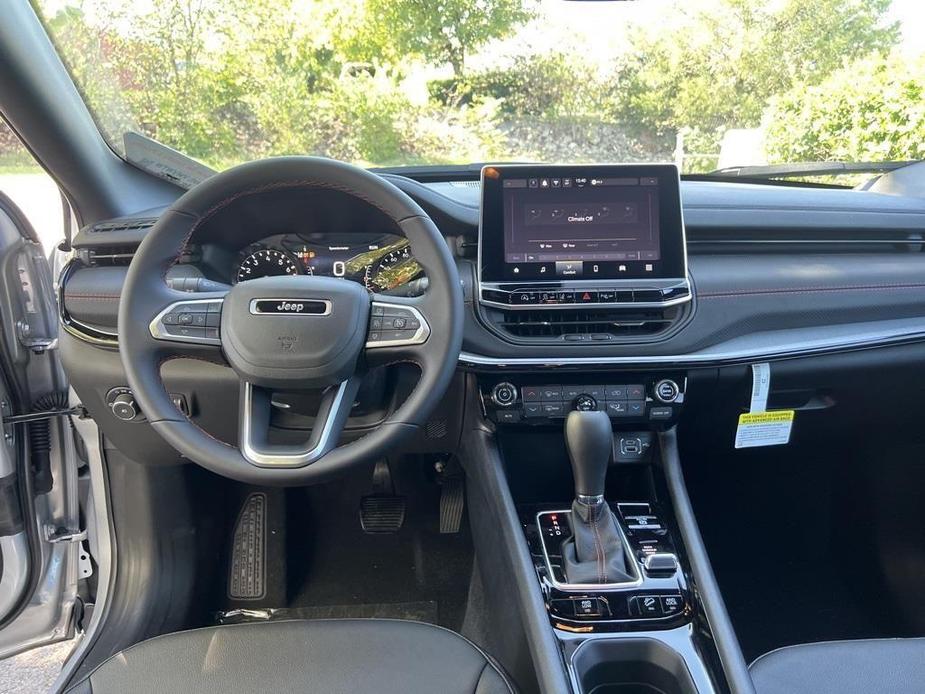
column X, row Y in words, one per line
column 333, row 656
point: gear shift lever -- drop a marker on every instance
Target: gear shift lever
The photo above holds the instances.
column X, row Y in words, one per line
column 589, row 439
column 595, row 552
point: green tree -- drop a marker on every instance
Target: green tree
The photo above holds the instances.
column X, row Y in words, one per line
column 718, row 68
column 870, row 110
column 439, row 31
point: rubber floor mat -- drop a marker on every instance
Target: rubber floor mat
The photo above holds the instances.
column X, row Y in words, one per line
column 247, row 580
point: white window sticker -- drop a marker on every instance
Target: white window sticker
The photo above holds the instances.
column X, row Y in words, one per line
column 761, row 385
column 764, row 428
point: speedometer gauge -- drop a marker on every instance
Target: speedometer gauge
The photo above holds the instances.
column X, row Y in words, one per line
column 266, row 262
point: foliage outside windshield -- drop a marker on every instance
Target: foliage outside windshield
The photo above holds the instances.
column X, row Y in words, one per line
column 705, row 83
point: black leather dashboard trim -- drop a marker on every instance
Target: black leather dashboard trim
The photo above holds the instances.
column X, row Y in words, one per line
column 760, row 305
column 91, row 296
column 749, row 307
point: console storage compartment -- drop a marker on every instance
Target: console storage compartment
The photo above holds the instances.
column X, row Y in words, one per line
column 630, row 666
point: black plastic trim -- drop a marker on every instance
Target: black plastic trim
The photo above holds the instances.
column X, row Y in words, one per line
column 727, row 644
column 500, row 544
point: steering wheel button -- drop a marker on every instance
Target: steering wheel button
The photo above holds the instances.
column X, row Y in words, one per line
column 199, row 320
column 213, row 320
column 378, row 310
column 185, row 319
column 375, row 337
column 188, row 331
column 170, row 319
column 214, row 307
column 375, row 323
column 399, row 323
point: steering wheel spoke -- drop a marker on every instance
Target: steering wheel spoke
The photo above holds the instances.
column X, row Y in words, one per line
column 398, row 328
column 254, row 426
column 193, row 321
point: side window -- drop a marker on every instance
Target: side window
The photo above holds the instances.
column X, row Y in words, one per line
column 33, row 190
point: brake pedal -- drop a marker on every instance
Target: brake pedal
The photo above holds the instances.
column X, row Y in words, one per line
column 381, row 514
column 383, row 511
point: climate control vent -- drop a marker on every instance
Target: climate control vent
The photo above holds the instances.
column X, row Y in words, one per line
column 123, row 225
column 106, row 256
column 597, row 325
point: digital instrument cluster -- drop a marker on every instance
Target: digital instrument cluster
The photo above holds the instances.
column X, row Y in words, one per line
column 381, row 263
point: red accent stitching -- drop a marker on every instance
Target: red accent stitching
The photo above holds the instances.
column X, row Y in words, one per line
column 598, row 546
column 100, row 297
column 810, row 290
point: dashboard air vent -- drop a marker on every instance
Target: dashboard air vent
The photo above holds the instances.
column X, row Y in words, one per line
column 599, row 325
column 106, row 256
column 123, row 225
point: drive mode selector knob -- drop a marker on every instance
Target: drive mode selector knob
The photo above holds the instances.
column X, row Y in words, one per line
column 585, row 403
column 667, row 390
column 123, row 406
column 504, row 394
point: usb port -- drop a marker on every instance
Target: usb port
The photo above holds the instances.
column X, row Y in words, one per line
column 630, row 446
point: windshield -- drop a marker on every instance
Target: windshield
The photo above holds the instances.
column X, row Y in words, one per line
column 707, row 84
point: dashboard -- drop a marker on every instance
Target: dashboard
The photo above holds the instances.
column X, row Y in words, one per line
column 380, row 262
column 772, row 270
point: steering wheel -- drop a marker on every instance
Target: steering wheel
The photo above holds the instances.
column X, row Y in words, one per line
column 289, row 333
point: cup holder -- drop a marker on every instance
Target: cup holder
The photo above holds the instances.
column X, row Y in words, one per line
column 631, row 666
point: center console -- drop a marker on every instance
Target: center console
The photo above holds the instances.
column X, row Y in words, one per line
column 610, row 565
column 588, row 255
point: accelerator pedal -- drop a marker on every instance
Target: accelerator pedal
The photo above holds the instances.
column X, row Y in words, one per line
column 248, row 566
column 383, row 511
column 452, row 497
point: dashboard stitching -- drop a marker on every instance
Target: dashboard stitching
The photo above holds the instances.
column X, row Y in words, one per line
column 101, row 297
column 806, row 290
column 801, row 208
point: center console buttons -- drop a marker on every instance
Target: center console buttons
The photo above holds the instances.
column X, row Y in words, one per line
column 585, row 403
column 667, row 391
column 504, row 394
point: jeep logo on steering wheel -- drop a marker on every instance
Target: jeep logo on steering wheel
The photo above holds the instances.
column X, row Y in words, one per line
column 295, row 307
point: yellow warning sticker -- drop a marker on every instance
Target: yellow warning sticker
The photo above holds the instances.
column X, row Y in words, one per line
column 764, row 428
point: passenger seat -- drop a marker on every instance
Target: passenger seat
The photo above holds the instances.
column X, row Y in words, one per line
column 894, row 666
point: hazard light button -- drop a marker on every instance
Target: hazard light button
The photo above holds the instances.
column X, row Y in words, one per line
column 585, row 297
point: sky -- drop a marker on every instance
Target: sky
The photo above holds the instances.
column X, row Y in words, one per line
column 603, row 25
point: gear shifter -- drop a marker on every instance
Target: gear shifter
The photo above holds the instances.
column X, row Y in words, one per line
column 595, row 552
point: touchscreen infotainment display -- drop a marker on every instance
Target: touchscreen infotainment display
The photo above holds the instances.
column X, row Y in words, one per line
column 577, row 223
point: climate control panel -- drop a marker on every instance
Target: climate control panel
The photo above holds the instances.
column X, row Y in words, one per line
column 630, row 398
